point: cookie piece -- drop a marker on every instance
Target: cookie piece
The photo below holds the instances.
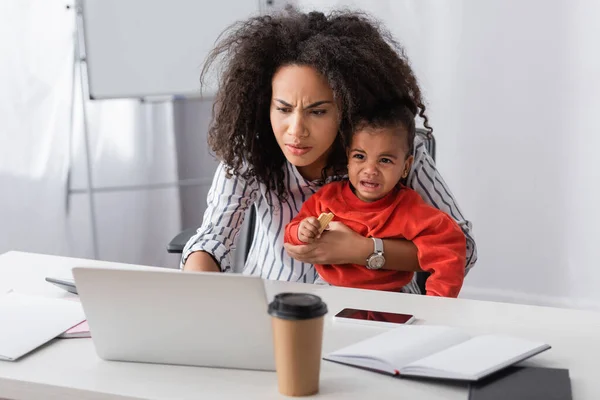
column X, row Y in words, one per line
column 324, row 220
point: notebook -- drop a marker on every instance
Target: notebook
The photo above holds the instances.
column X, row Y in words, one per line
column 437, row 352
column 524, row 383
column 81, row 330
column 30, row 321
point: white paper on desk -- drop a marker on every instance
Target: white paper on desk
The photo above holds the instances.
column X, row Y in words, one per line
column 27, row 322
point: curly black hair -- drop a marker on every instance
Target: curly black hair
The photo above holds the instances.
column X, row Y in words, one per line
column 362, row 63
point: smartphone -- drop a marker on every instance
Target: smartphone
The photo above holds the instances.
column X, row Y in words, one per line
column 64, row 283
column 375, row 318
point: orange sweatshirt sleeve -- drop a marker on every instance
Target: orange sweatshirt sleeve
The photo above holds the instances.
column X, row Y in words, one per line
column 441, row 249
column 310, row 208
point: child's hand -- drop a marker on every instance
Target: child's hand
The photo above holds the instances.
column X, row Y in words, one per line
column 308, row 230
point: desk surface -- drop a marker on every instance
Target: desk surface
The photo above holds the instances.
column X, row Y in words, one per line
column 70, row 368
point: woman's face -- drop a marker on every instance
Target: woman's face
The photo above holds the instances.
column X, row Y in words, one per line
column 304, row 117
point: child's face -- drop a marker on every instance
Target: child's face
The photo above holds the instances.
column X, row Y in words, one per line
column 377, row 160
column 304, row 118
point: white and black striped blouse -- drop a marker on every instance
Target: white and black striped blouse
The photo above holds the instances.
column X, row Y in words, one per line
column 229, row 199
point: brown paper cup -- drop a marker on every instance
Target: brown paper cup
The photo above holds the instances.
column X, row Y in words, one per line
column 298, row 355
column 297, row 339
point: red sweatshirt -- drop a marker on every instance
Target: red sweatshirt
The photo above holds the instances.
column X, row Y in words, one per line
column 402, row 214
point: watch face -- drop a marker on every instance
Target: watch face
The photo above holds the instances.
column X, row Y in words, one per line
column 376, row 261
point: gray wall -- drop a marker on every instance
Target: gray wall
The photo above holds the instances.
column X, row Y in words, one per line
column 194, row 161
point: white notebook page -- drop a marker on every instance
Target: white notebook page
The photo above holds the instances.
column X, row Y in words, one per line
column 478, row 356
column 403, row 345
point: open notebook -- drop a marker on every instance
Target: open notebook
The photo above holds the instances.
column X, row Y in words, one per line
column 437, row 352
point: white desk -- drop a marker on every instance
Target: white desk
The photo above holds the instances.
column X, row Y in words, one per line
column 70, row 369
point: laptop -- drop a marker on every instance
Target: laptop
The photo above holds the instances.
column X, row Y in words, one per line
column 157, row 315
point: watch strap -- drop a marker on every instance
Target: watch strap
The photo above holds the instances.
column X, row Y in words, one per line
column 378, row 245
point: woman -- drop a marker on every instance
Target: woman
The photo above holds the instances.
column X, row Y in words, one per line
column 283, row 114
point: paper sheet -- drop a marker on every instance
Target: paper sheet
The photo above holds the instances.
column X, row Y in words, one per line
column 28, row 322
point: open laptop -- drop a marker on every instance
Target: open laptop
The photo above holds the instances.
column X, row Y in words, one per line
column 167, row 316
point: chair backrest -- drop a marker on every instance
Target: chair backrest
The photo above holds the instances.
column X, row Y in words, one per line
column 245, row 240
column 428, row 140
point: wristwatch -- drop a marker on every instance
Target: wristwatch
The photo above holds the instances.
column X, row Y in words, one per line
column 376, row 260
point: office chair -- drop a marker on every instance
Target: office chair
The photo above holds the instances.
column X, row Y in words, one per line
column 177, row 244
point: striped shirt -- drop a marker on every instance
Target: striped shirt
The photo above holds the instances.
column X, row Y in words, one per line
column 229, row 199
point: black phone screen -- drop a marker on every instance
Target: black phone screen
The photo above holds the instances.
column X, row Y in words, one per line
column 368, row 315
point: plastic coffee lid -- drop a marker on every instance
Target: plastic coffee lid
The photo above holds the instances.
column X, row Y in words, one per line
column 297, row 306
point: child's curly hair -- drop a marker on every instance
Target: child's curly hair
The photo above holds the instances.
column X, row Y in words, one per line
column 396, row 116
column 362, row 63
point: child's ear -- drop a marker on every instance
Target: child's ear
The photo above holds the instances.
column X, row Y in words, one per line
column 407, row 166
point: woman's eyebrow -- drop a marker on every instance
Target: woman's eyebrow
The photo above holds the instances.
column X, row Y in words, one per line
column 285, row 103
column 318, row 103
column 313, row 105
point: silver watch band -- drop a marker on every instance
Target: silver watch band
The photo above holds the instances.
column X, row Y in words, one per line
column 376, row 260
column 378, row 245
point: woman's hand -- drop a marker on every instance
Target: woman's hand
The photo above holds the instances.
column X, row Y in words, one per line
column 337, row 245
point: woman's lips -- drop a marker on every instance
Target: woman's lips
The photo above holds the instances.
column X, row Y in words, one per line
column 298, row 150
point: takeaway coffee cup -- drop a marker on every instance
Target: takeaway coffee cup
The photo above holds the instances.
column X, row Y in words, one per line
column 297, row 339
